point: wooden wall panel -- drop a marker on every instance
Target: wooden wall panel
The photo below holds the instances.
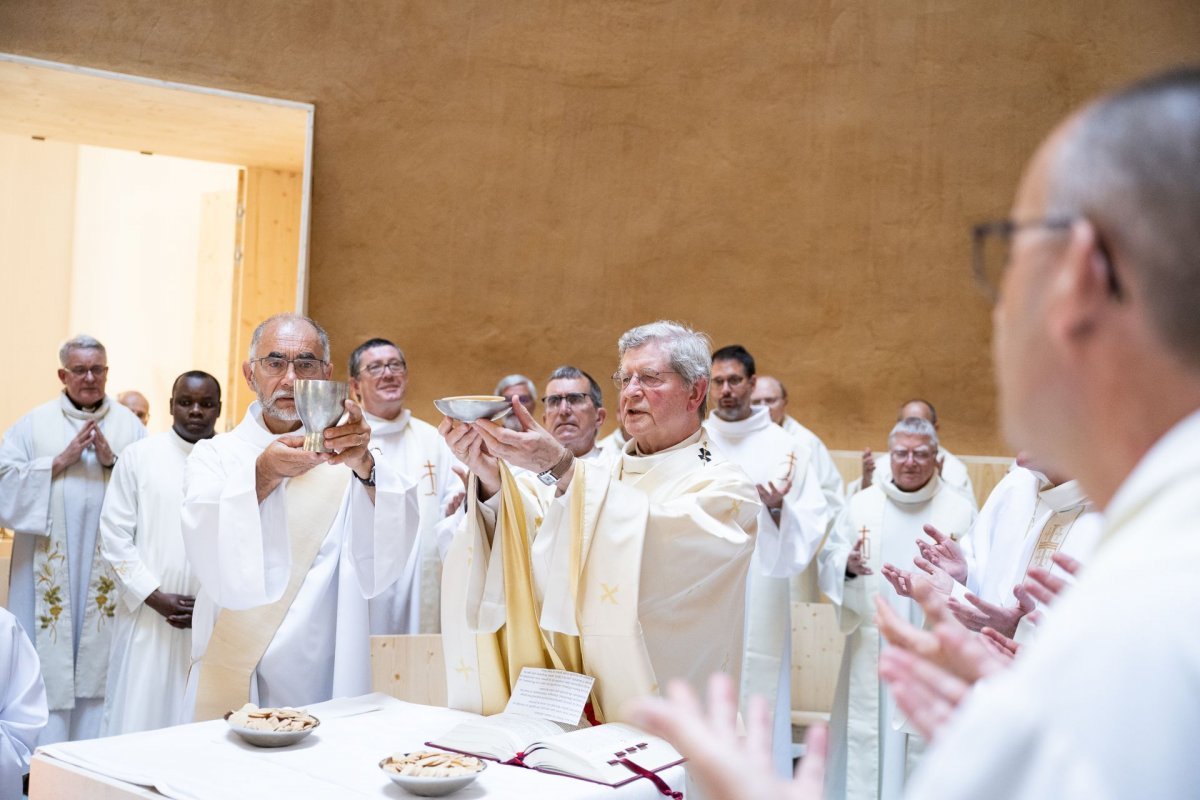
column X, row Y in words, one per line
column 266, row 266
column 507, row 185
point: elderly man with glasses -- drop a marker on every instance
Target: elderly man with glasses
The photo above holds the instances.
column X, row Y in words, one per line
column 871, row 752
column 288, row 544
column 573, row 411
column 55, row 464
column 379, row 380
column 632, row 572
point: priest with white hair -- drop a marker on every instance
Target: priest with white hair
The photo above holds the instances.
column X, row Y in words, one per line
column 289, row 544
column 871, row 750
column 618, row 576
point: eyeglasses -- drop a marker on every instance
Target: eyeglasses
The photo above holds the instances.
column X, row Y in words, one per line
column 732, row 381
column 992, row 250
column 647, row 378
column 920, row 455
column 79, row 372
column 274, row 366
column 573, row 399
column 394, row 367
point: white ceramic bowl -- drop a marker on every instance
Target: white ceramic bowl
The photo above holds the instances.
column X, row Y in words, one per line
column 270, row 738
column 472, row 407
column 431, row 787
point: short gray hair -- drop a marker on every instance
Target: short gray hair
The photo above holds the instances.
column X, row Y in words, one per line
column 509, row 380
column 288, row 317
column 1130, row 165
column 80, row 342
column 690, row 351
column 914, row 426
column 569, row 373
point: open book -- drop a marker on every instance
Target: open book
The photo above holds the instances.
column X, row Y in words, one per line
column 592, row 754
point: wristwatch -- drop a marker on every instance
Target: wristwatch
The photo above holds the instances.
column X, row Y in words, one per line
column 555, row 473
column 370, row 479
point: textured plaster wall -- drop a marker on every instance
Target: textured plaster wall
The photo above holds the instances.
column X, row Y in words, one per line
column 507, row 185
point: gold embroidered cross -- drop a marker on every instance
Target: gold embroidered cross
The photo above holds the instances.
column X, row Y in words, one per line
column 866, row 542
column 464, row 670
column 470, row 555
column 432, row 484
column 735, row 506
column 608, row 593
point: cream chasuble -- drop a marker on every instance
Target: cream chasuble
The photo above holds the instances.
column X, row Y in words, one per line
column 869, row 753
column 60, row 590
column 242, row 554
column 1102, row 706
column 784, row 548
column 644, row 562
column 141, row 541
column 415, row 449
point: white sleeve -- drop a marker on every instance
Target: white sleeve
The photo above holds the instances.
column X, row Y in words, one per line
column 24, row 482
column 786, row 548
column 23, row 710
column 118, row 535
column 383, row 533
column 238, row 548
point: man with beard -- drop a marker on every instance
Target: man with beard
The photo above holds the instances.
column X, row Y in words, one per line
column 287, row 544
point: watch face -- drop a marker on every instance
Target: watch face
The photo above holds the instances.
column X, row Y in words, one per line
column 547, row 478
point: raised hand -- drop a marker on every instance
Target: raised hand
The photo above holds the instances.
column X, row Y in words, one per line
column 982, row 614
column 944, row 552
column 924, row 691
column 724, row 764
column 283, row 458
column 1044, row 586
column 868, row 468
column 74, row 449
column 771, row 497
column 856, row 564
column 104, row 453
column 350, row 442
column 532, row 448
column 1000, row 644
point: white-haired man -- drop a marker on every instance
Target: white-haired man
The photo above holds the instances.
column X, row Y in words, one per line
column 55, row 464
column 379, row 380
column 871, row 753
column 523, row 390
column 287, row 546
column 620, row 575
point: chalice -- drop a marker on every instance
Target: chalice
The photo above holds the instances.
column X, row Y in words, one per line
column 320, row 405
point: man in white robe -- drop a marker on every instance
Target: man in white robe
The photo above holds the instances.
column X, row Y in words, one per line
column 1028, row 517
column 55, row 464
column 633, row 574
column 136, row 402
column 288, row 547
column 871, row 750
column 23, row 711
column 411, row 447
column 573, row 411
column 1098, row 366
column 140, row 538
column 791, row 526
column 519, row 387
column 770, row 392
column 951, row 468
column 614, row 444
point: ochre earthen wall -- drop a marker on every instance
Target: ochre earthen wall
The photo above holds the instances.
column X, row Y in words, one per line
column 505, row 185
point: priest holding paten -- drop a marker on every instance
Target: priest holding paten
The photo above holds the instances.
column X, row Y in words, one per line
column 633, row 573
column 288, row 544
column 872, row 750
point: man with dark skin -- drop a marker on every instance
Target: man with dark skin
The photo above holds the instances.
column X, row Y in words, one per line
column 141, row 540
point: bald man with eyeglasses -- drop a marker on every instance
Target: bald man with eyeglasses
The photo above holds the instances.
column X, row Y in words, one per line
column 289, row 544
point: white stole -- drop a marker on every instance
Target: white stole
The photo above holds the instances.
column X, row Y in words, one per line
column 68, row 676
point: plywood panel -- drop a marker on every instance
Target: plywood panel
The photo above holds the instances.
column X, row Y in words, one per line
column 265, row 270
column 816, row 656
column 68, row 106
column 411, row 668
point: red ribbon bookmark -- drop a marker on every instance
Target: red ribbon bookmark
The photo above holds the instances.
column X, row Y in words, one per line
column 663, row 789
